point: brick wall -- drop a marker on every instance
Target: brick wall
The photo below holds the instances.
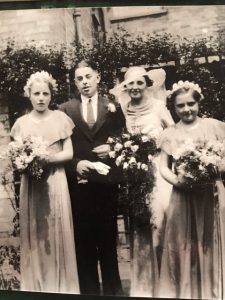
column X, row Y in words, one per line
column 186, row 21
column 45, row 25
column 6, row 211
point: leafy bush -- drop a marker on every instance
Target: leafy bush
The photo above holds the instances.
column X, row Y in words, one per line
column 18, row 62
column 9, row 268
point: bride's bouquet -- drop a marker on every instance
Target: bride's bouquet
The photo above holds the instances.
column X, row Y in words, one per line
column 199, row 162
column 27, row 155
column 133, row 154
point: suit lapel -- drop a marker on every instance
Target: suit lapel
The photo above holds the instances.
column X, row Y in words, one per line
column 79, row 120
column 102, row 113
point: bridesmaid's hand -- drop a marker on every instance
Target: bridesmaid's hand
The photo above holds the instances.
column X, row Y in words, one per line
column 84, row 167
column 183, row 185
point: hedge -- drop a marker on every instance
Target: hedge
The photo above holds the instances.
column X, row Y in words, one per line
column 18, row 62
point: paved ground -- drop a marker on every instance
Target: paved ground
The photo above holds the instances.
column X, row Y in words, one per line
column 123, row 256
column 124, row 267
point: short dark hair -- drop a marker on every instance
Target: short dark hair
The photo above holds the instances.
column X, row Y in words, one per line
column 86, row 63
column 149, row 82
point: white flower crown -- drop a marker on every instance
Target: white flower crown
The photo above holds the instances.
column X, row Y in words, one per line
column 184, row 84
column 40, row 76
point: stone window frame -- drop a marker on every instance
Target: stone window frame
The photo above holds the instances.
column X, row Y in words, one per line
column 156, row 11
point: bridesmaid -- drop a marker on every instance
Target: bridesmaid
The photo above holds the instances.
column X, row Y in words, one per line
column 48, row 261
column 192, row 260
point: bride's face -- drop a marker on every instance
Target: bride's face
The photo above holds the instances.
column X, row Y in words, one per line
column 136, row 88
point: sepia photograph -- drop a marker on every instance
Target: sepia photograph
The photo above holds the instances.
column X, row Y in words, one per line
column 112, row 151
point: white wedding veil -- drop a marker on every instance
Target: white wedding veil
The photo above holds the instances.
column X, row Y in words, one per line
column 157, row 91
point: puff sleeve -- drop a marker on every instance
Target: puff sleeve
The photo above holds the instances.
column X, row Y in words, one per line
column 16, row 129
column 165, row 142
column 219, row 129
column 65, row 125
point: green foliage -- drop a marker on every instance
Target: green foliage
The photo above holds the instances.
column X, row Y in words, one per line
column 9, row 267
column 18, row 62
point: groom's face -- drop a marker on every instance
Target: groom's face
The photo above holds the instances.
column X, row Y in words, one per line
column 87, row 80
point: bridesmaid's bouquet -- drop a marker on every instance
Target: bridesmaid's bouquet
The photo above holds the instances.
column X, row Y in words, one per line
column 199, row 162
column 27, row 155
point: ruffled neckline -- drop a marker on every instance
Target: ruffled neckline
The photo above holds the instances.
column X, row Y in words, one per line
column 187, row 128
column 41, row 120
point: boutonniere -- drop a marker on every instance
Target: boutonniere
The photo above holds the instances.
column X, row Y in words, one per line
column 111, row 108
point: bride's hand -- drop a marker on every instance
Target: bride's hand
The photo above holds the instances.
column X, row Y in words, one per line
column 45, row 161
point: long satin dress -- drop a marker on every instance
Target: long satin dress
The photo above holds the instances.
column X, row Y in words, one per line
column 148, row 118
column 48, row 259
column 193, row 253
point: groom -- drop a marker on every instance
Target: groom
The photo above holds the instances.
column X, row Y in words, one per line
column 93, row 195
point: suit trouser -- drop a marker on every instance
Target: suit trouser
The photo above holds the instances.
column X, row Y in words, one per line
column 95, row 227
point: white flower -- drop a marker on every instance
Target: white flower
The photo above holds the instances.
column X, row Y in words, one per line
column 119, row 160
column 176, row 155
column 118, row 147
column 184, row 84
column 201, row 168
column 127, row 144
column 112, row 154
column 29, row 159
column 144, row 138
column 126, row 135
column 110, row 140
column 150, row 157
column 20, row 163
column 125, row 166
column 111, row 107
column 134, row 148
column 132, row 160
column 139, row 165
column 144, row 167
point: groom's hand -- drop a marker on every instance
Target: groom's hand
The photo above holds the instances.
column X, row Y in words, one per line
column 102, row 151
column 84, row 167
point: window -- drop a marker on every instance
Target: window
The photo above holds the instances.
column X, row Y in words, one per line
column 134, row 12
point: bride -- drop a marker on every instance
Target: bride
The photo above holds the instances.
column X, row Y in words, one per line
column 142, row 97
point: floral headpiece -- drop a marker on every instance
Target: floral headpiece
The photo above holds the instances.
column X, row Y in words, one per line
column 184, row 84
column 40, row 76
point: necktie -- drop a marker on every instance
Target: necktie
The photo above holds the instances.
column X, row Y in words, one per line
column 90, row 114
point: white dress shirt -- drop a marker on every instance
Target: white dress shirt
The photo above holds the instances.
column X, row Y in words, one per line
column 94, row 102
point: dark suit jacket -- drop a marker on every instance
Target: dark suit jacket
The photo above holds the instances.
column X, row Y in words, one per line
column 85, row 139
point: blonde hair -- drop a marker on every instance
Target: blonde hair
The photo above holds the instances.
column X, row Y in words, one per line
column 42, row 76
